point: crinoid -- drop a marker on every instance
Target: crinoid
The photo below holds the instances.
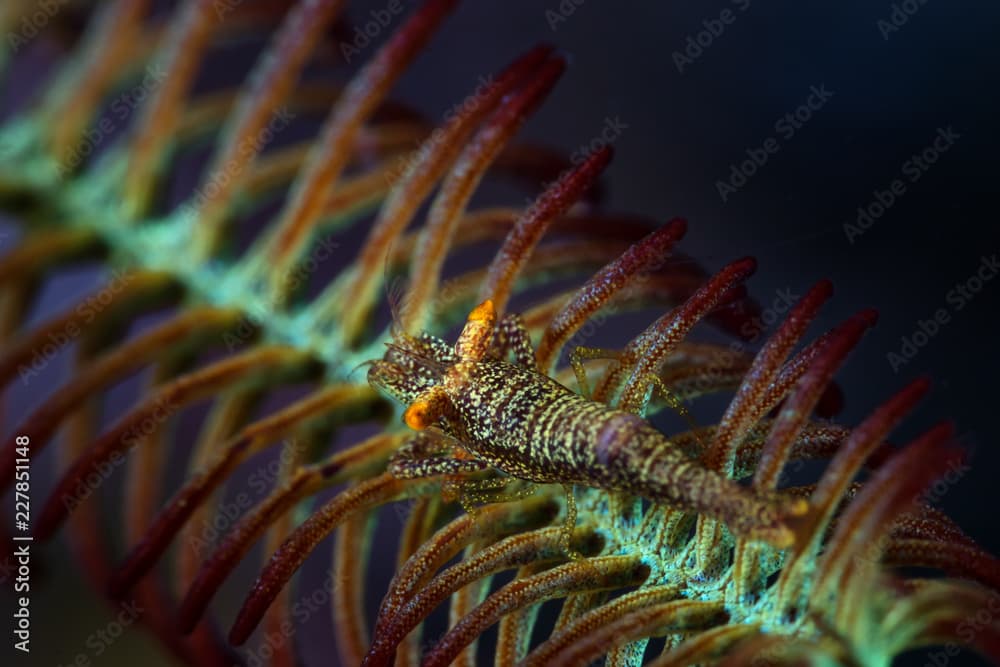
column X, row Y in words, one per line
column 258, row 290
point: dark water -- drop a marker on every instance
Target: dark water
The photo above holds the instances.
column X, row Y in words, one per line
column 852, row 140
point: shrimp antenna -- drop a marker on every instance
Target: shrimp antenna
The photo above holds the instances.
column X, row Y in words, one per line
column 391, row 296
column 354, row 370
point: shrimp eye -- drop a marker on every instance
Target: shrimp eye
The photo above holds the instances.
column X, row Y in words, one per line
column 418, row 415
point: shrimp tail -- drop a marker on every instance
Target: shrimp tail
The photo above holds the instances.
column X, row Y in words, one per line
column 772, row 518
column 776, row 519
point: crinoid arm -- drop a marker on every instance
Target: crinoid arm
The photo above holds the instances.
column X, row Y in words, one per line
column 211, row 446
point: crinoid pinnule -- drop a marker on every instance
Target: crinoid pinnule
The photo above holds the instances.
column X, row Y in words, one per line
column 260, row 291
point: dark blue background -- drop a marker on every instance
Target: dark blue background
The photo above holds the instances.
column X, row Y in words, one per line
column 685, row 130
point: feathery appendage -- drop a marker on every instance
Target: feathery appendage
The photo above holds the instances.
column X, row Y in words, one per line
column 238, row 325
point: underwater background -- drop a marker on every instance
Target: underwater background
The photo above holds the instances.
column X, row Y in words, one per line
column 683, row 120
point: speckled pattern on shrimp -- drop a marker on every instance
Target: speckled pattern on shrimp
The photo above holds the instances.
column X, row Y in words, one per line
column 527, row 425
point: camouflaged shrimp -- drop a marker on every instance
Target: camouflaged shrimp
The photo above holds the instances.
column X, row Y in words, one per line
column 508, row 416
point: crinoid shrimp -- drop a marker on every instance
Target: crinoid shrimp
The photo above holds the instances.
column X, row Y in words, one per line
column 482, row 404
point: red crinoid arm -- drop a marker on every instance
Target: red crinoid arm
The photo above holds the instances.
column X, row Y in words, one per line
column 817, row 440
column 494, row 223
column 861, row 532
column 774, row 650
column 825, row 359
column 356, row 461
column 957, row 560
column 38, row 252
column 75, row 97
column 928, row 523
column 742, row 412
column 789, row 423
column 262, row 365
column 422, row 172
column 528, row 547
column 270, row 83
column 864, row 439
column 706, row 646
column 332, row 151
column 639, row 622
column 139, row 291
column 293, row 552
column 420, row 523
column 458, row 187
column 591, row 621
column 378, row 151
column 834, row 484
column 944, row 613
column 651, row 349
column 523, row 238
column 599, row 572
column 795, row 368
column 354, row 537
column 641, row 257
column 85, row 530
column 617, row 374
column 462, row 603
column 515, row 629
column 182, row 50
column 43, row 423
column 549, row 259
column 800, row 404
column 671, row 285
column 250, row 440
column 492, row 522
column 157, row 537
column 143, row 485
column 229, row 413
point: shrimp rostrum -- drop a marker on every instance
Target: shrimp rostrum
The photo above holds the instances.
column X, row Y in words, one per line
column 507, row 416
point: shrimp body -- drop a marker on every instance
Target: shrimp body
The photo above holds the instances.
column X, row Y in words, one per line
column 531, row 427
column 509, row 417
